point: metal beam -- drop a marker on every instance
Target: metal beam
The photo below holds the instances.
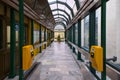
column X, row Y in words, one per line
column 63, row 3
column 62, row 11
column 61, row 18
column 61, row 15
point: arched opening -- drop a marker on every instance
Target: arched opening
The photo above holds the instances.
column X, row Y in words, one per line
column 59, row 30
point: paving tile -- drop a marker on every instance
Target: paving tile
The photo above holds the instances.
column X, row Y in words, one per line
column 57, row 63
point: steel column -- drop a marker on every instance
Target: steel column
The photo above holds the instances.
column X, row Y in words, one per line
column 103, row 36
column 79, row 39
column 71, row 37
column 77, row 4
column 12, row 44
column 73, row 34
column 92, row 34
column 45, row 37
column 21, row 36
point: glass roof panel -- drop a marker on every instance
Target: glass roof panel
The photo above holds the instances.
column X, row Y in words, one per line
column 51, row 0
column 64, row 22
column 55, row 12
column 62, row 0
column 70, row 3
column 60, row 6
column 62, row 17
column 67, row 10
column 55, row 16
column 54, row 6
column 81, row 2
column 60, row 12
column 74, row 9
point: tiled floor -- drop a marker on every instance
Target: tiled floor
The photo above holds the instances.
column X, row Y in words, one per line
column 57, row 63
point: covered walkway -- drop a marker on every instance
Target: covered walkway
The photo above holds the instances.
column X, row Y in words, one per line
column 57, row 63
column 89, row 30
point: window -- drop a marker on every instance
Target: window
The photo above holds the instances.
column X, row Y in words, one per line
column 8, row 36
column 16, row 35
column 76, row 33
column 85, row 33
column 1, row 34
column 98, row 27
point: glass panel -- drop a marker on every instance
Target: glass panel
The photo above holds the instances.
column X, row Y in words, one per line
column 60, row 12
column 58, row 19
column 62, row 17
column 86, row 33
column 64, row 22
column 8, row 36
column 17, row 33
column 70, row 3
column 59, row 27
column 1, row 34
column 68, row 11
column 113, row 31
column 60, row 6
column 81, row 2
column 51, row 0
column 42, row 35
column 76, row 33
column 82, row 32
column 74, row 9
column 56, row 16
column 53, row 6
column 98, row 27
column 62, row 0
column 55, row 12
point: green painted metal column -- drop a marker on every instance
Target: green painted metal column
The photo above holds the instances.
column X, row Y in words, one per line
column 79, row 39
column 73, row 38
column 32, row 30
column 40, row 37
column 12, row 44
column 103, row 36
column 69, row 35
column 77, row 4
column 92, row 34
column 21, row 37
column 51, row 36
column 45, row 37
column 65, row 35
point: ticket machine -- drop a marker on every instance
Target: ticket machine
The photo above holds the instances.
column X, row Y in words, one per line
column 27, row 56
column 96, row 58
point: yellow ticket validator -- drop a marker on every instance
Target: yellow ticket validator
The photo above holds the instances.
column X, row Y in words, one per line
column 27, row 56
column 96, row 58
